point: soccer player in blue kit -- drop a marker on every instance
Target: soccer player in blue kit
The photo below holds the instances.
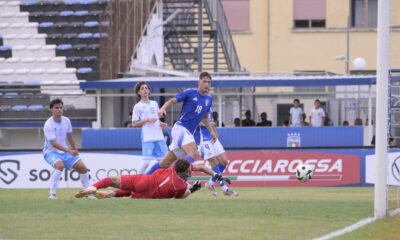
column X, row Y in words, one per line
column 196, row 105
column 214, row 153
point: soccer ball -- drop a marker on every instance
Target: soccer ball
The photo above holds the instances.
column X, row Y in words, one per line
column 304, row 172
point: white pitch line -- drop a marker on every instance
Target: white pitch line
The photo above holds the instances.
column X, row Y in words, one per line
column 355, row 226
column 347, row 229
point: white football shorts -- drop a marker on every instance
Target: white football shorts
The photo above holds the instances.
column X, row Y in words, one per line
column 180, row 136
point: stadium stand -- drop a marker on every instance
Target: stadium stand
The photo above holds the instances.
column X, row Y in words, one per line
column 45, row 23
column 44, row 44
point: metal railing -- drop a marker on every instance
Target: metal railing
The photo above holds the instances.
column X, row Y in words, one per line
column 217, row 16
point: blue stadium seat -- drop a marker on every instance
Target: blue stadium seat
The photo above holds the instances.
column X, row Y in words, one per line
column 35, row 107
column 91, row 26
column 84, row 70
column 85, row 35
column 64, row 50
column 98, row 35
column 64, row 47
column 46, row 27
column 86, row 38
column 46, row 24
column 72, row 5
column 19, row 108
column 27, row 6
column 33, row 82
column 71, row 2
column 84, row 73
column 87, row 2
column 66, row 15
column 5, row 48
column 81, row 15
column 28, row 3
column 10, row 95
column 105, row 23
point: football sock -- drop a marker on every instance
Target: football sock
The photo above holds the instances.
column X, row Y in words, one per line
column 190, row 159
column 224, row 187
column 85, row 180
column 145, row 164
column 221, row 167
column 55, row 179
column 215, row 169
column 103, row 183
column 153, row 168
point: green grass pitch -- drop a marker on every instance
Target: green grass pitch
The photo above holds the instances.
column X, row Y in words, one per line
column 258, row 213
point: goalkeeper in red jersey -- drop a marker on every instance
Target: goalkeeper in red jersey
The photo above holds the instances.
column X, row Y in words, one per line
column 163, row 183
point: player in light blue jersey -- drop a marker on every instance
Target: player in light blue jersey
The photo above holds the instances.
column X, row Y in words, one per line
column 144, row 115
column 56, row 152
column 196, row 104
column 214, row 153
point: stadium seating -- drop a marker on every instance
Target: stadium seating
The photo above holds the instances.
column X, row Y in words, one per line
column 69, row 22
column 19, row 108
column 5, row 51
column 44, row 43
column 36, row 107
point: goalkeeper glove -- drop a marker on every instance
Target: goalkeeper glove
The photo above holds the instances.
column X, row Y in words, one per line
column 196, row 186
column 221, row 178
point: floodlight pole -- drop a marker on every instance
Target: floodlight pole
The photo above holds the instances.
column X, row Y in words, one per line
column 382, row 87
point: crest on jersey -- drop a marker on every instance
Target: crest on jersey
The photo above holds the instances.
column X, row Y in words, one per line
column 206, row 102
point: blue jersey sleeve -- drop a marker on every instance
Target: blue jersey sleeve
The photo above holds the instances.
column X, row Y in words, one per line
column 183, row 95
column 210, row 113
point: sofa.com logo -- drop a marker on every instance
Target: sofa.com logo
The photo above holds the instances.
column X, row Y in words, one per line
column 8, row 170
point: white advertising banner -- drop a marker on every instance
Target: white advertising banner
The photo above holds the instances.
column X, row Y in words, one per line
column 32, row 171
column 393, row 169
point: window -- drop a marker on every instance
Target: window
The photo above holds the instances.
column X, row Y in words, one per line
column 364, row 13
column 238, row 14
column 309, row 13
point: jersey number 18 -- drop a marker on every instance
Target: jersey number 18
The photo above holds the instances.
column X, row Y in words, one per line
column 198, row 109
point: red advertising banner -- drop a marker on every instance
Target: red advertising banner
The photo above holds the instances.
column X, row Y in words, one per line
column 277, row 169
